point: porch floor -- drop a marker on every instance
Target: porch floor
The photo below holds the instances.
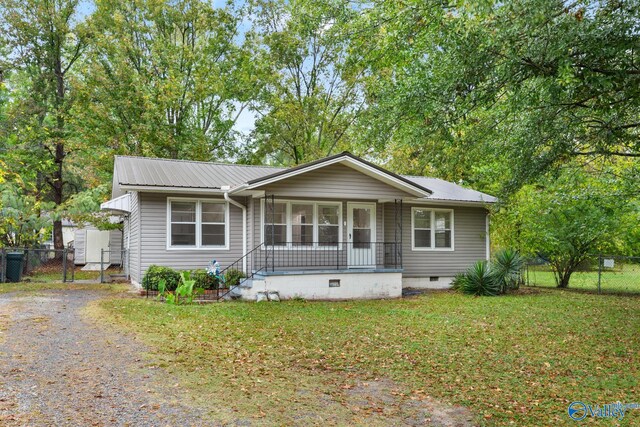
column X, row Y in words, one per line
column 328, row 271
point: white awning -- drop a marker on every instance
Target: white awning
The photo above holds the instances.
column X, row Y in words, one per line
column 119, row 205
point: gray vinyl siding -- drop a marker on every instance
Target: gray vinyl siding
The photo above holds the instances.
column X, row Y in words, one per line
column 153, row 248
column 334, row 182
column 134, row 238
column 469, row 242
column 115, row 247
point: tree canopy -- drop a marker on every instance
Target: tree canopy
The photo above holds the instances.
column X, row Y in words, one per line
column 508, row 97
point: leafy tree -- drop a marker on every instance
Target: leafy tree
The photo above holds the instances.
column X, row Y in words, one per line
column 311, row 95
column 528, row 82
column 21, row 224
column 568, row 219
column 166, row 79
column 44, row 42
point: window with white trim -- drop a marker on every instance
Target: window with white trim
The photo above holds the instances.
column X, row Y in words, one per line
column 432, row 228
column 302, row 223
column 197, row 223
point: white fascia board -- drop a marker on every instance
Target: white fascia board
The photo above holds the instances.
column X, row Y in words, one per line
column 444, row 202
column 185, row 190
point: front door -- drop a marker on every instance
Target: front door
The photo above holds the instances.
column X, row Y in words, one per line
column 361, row 235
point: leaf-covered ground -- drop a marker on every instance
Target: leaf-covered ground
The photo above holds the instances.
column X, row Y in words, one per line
column 512, row 360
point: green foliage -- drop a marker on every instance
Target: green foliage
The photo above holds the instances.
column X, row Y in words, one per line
column 500, row 93
column 44, row 45
column 204, row 280
column 233, row 277
column 568, row 218
column 478, row 280
column 491, row 279
column 21, row 222
column 312, row 92
column 184, row 293
column 155, row 274
column 506, row 269
column 184, row 77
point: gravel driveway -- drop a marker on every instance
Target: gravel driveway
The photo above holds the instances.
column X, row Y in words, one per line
column 59, row 369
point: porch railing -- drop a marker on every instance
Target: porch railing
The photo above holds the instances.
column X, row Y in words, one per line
column 328, row 256
column 301, row 256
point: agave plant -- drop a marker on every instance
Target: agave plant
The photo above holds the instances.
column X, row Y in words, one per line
column 507, row 269
column 478, row 280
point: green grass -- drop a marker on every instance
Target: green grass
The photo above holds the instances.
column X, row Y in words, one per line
column 57, row 276
column 513, row 360
column 625, row 278
column 28, row 287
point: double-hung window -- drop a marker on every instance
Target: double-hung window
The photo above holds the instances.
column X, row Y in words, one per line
column 197, row 224
column 300, row 223
column 328, row 224
column 432, row 229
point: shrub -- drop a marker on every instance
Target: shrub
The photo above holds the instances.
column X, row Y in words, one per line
column 233, row 277
column 495, row 278
column 155, row 273
column 507, row 269
column 204, row 280
column 478, row 280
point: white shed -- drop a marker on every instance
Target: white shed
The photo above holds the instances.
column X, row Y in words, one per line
column 89, row 242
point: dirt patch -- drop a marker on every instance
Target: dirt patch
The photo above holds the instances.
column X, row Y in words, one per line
column 385, row 398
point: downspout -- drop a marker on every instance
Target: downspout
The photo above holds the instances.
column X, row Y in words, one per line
column 226, row 189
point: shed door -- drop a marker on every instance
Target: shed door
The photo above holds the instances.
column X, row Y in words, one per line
column 96, row 241
column 361, row 235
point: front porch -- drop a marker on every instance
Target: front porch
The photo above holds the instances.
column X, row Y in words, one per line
column 321, row 249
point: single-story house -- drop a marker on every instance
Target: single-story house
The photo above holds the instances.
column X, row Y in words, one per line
column 337, row 228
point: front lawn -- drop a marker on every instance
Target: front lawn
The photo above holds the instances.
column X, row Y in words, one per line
column 513, row 360
column 624, row 278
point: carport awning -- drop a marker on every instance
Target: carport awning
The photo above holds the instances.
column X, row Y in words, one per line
column 119, row 205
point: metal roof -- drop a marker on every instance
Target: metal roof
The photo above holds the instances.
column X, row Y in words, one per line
column 445, row 190
column 152, row 172
column 146, row 172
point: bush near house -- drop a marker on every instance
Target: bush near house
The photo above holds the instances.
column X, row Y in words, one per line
column 204, row 280
column 490, row 279
column 155, row 273
column 232, row 277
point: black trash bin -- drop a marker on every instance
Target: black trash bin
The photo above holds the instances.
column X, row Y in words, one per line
column 14, row 266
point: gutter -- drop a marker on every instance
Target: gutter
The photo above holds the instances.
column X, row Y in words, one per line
column 226, row 189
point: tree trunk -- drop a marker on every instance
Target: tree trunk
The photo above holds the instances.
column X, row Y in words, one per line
column 563, row 277
column 58, row 242
column 58, row 182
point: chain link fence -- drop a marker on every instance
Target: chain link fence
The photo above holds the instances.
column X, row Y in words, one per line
column 114, row 266
column 37, row 265
column 598, row 273
column 41, row 265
